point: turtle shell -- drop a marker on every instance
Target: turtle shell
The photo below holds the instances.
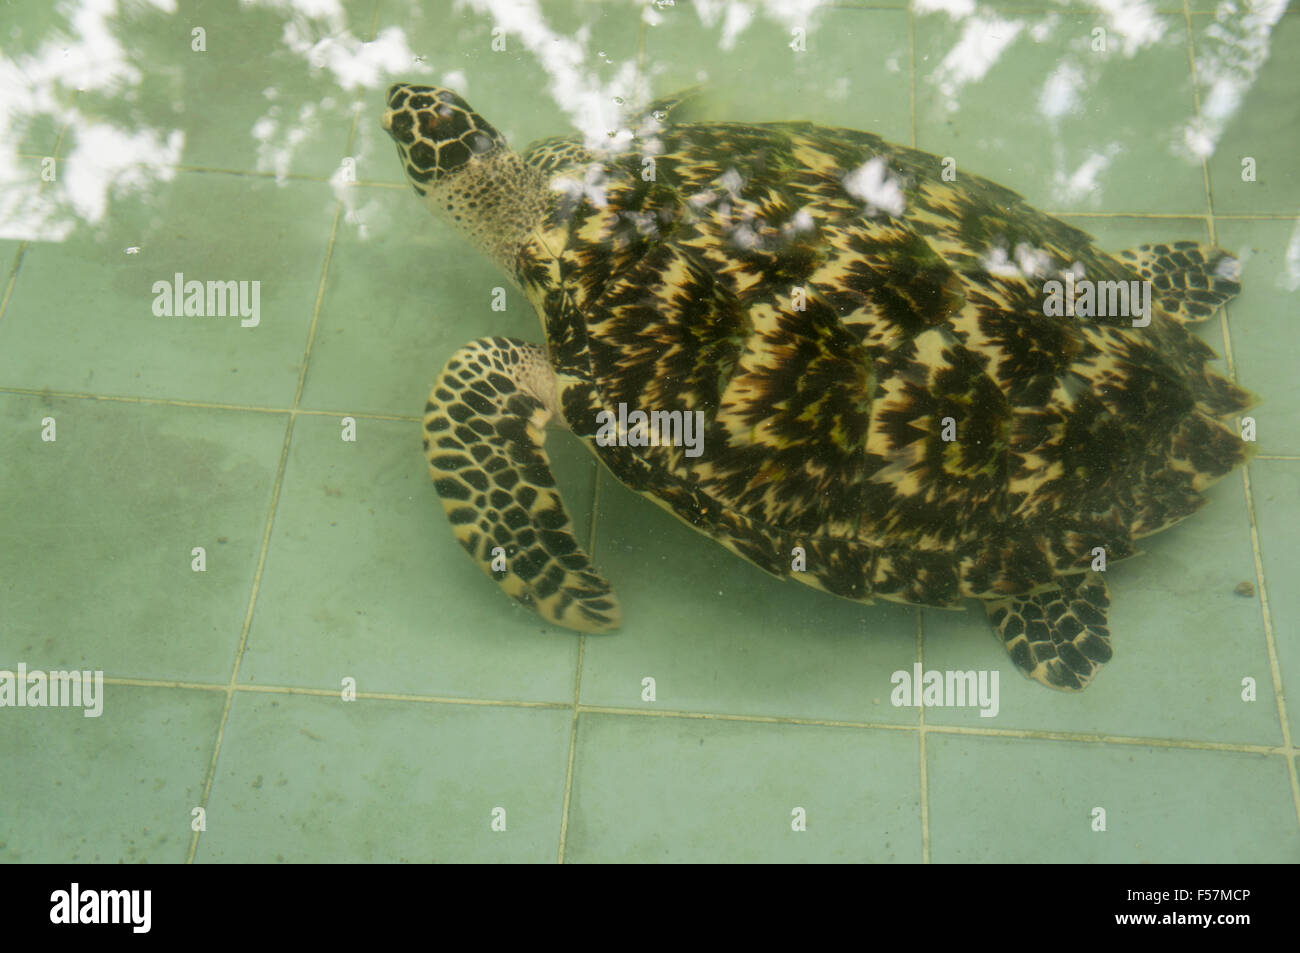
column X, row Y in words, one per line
column 878, row 380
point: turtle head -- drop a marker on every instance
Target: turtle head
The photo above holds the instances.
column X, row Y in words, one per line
column 437, row 133
column 464, row 171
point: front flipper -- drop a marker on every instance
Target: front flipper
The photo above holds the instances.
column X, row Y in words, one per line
column 483, row 436
column 1058, row 636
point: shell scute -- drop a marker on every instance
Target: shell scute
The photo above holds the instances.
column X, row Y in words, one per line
column 880, row 381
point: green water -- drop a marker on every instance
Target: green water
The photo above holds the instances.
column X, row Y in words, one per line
column 201, row 531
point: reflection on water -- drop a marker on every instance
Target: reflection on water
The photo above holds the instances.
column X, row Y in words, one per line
column 181, row 178
column 111, row 77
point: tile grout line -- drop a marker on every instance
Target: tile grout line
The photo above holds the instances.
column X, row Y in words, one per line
column 229, row 688
column 13, row 277
column 577, row 685
column 1029, row 734
column 45, row 392
column 924, row 775
column 1227, row 216
column 577, row 680
column 911, row 72
column 1021, row 733
column 254, row 174
column 1205, row 181
column 591, row 534
column 1252, row 518
column 397, row 186
column 25, row 243
column 920, row 736
column 207, row 405
column 573, row 743
column 1270, row 642
column 278, row 486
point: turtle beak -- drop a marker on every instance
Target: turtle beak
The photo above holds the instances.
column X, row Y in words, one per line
column 399, row 129
column 390, row 100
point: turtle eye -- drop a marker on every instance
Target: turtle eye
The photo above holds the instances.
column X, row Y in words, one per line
column 443, row 122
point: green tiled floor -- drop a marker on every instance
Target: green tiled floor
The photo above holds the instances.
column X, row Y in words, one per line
column 310, row 779
column 329, row 565
column 99, row 334
column 1101, row 129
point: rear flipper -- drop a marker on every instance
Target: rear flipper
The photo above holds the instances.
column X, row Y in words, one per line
column 483, row 435
column 1188, row 280
column 1058, row 636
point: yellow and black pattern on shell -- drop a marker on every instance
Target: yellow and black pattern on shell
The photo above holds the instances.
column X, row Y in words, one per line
column 835, row 346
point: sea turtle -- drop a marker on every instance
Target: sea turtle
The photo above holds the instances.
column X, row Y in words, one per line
column 890, row 406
